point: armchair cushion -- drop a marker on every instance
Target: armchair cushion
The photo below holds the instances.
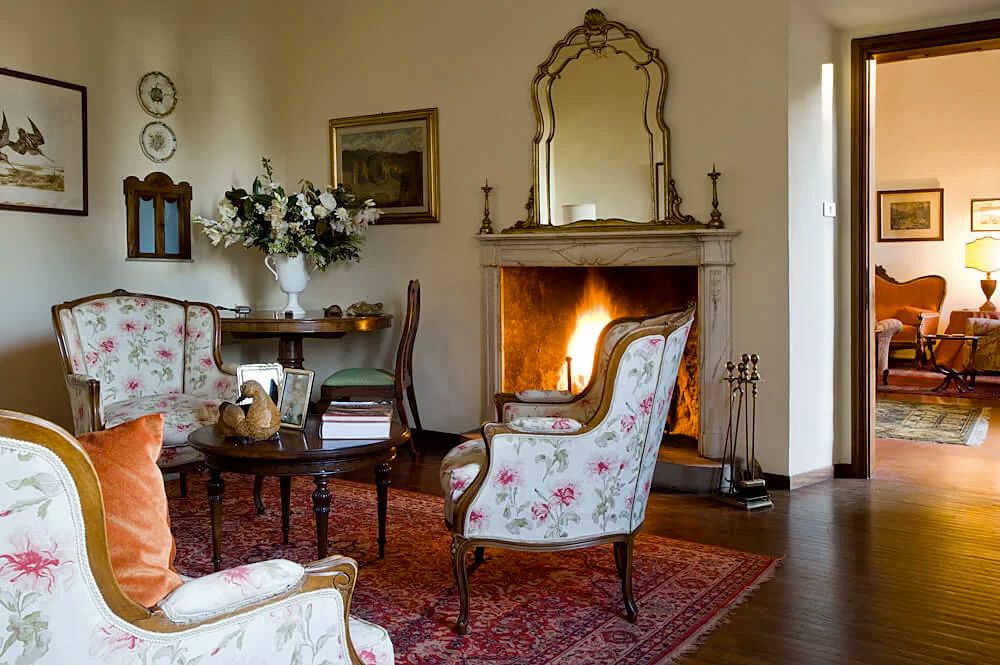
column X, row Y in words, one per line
column 458, row 469
column 910, row 315
column 371, row 642
column 135, row 504
column 182, row 414
column 545, row 425
column 228, row 590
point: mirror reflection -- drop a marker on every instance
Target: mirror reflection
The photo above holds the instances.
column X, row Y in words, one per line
column 600, row 158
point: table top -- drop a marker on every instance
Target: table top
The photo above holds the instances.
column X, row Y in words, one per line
column 264, row 323
column 296, row 452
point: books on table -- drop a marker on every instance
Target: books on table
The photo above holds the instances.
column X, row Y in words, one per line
column 356, row 420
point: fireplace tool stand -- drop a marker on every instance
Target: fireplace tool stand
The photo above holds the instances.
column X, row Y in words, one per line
column 741, row 482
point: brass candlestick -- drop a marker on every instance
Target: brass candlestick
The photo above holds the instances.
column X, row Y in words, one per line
column 716, row 217
column 486, row 228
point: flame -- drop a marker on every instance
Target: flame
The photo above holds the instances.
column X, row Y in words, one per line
column 592, row 314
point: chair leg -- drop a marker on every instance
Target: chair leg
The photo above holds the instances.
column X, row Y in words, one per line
column 623, row 562
column 458, row 552
column 411, row 397
column 258, row 487
column 885, row 376
column 184, row 484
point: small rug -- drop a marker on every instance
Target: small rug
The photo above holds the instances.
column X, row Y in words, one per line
column 942, row 423
column 911, row 381
column 527, row 608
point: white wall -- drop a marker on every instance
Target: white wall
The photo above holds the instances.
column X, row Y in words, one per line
column 811, row 180
column 937, row 126
column 475, row 61
column 223, row 122
column 843, row 395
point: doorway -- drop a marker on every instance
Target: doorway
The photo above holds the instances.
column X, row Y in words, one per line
column 867, row 54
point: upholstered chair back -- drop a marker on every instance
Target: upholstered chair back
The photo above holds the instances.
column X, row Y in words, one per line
column 565, row 484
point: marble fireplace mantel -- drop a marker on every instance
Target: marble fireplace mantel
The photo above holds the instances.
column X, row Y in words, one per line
column 709, row 249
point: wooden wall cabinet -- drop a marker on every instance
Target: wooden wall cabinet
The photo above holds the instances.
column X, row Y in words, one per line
column 158, row 214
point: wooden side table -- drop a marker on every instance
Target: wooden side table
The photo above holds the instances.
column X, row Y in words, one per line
column 965, row 379
column 291, row 332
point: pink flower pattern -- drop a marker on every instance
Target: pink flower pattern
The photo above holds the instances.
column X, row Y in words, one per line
column 35, row 564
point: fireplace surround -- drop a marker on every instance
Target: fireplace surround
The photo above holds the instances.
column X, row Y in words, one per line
column 708, row 250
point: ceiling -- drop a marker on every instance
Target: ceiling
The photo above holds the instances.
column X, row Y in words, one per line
column 858, row 14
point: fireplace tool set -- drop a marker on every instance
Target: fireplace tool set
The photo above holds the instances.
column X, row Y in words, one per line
column 740, row 479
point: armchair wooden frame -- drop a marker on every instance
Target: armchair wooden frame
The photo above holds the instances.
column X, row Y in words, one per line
column 623, row 543
column 94, row 385
column 336, row 572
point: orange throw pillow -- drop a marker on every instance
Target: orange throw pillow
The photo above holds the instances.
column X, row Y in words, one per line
column 135, row 507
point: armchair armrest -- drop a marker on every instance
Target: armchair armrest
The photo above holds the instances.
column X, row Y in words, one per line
column 228, row 368
column 545, row 425
column 554, row 404
column 544, row 396
column 85, row 403
column 226, row 591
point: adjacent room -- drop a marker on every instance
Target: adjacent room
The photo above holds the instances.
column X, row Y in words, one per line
column 515, row 333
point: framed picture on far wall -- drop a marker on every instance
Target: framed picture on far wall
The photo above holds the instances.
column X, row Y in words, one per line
column 43, row 144
column 295, row 394
column 986, row 214
column 391, row 158
column 910, row 214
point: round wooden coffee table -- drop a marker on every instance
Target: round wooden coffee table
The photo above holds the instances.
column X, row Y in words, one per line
column 297, row 453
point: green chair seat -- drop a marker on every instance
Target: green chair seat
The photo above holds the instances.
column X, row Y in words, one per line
column 360, row 376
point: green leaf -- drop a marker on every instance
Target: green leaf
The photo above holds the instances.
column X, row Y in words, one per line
column 43, row 510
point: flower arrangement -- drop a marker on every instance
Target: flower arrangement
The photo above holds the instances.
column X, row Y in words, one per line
column 325, row 225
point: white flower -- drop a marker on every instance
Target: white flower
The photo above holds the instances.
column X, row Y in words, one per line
column 259, row 208
column 304, row 208
column 328, row 201
column 366, row 216
column 320, row 211
column 343, row 215
column 227, row 210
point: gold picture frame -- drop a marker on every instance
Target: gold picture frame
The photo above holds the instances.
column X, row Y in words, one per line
column 391, row 158
column 985, row 214
column 906, row 215
column 294, row 402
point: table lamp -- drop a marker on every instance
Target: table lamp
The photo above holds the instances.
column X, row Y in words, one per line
column 983, row 254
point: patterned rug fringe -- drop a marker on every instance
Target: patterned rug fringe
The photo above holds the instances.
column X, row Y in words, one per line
column 698, row 638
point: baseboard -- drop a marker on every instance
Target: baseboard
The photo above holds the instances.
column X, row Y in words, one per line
column 843, row 470
column 777, row 481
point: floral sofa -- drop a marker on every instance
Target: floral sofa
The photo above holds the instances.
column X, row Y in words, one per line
column 129, row 354
column 61, row 603
column 565, row 472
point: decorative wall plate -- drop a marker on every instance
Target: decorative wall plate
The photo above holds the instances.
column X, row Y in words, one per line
column 158, row 141
column 157, row 94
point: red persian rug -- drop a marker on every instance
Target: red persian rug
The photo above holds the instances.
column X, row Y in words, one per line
column 527, row 608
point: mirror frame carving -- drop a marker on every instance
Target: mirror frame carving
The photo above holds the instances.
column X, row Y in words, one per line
column 595, row 35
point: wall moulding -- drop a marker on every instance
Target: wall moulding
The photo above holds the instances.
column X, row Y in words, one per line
column 708, row 249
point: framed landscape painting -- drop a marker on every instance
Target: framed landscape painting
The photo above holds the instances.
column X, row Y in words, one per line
column 43, row 144
column 910, row 214
column 391, row 158
column 986, row 214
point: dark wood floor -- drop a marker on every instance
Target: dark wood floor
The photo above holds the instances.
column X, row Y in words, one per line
column 874, row 572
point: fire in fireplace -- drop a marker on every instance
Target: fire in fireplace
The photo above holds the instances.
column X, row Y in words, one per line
column 551, row 319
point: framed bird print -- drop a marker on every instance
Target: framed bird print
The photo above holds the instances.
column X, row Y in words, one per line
column 43, row 144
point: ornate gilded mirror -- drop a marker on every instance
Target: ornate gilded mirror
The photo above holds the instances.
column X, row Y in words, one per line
column 602, row 149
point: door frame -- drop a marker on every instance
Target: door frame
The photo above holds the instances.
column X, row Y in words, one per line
column 945, row 40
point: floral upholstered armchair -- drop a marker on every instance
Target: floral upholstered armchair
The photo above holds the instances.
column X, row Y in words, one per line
column 62, row 604
column 128, row 354
column 571, row 474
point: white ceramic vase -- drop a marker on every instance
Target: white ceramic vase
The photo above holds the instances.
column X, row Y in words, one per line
column 292, row 276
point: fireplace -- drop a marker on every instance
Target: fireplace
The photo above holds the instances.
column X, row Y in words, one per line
column 551, row 319
column 538, row 286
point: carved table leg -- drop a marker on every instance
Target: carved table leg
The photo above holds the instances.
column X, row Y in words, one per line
column 290, row 351
column 215, row 489
column 286, row 495
column 321, row 507
column 382, row 473
column 258, row 488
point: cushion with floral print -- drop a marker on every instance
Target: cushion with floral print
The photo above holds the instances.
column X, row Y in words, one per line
column 546, row 425
column 229, row 590
column 549, row 396
column 458, row 469
column 176, row 456
column 371, row 642
column 182, row 414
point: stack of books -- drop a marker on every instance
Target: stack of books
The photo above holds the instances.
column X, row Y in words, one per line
column 356, row 420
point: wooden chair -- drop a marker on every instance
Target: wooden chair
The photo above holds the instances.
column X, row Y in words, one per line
column 369, row 383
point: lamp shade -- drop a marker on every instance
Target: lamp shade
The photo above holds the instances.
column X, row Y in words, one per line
column 983, row 254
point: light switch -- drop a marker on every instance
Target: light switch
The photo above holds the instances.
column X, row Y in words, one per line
column 829, row 208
